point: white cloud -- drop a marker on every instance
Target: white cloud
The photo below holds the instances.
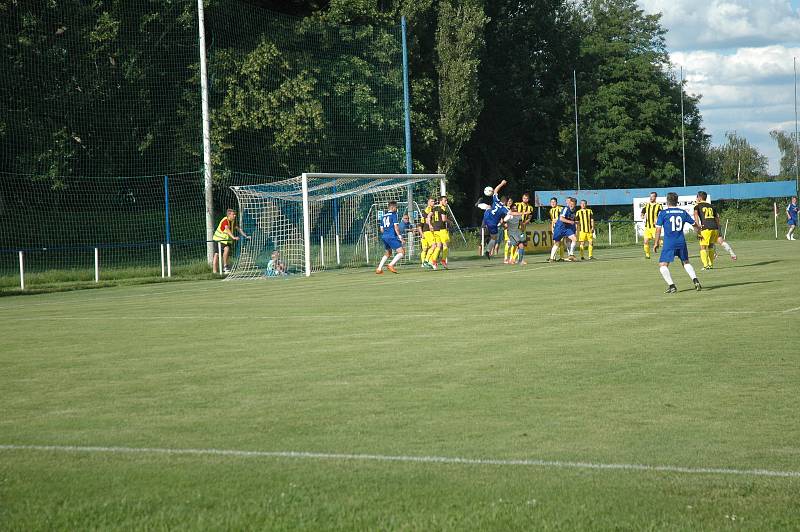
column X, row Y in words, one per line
column 719, row 24
column 738, row 55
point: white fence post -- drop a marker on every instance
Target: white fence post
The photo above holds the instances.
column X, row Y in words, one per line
column 775, row 209
column 219, row 258
column 481, row 240
column 635, row 232
column 366, row 247
column 21, row 272
column 609, row 233
column 96, row 265
column 163, row 265
column 321, row 251
column 169, row 260
column 338, row 258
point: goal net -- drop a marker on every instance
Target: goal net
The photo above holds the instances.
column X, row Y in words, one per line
column 321, row 221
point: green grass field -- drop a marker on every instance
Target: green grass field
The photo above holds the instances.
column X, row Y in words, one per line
column 485, row 397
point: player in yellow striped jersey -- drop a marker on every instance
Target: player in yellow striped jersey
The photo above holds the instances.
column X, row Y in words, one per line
column 707, row 217
column 427, row 240
column 585, row 218
column 437, row 220
column 650, row 215
column 555, row 212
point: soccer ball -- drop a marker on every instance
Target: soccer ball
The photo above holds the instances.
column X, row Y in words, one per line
column 488, row 191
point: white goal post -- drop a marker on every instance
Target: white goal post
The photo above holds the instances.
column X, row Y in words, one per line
column 318, row 221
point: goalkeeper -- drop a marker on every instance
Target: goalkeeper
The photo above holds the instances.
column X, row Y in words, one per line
column 225, row 238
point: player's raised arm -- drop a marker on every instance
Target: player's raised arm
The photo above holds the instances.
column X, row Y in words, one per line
column 500, row 186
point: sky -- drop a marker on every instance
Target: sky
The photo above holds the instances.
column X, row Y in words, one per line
column 738, row 55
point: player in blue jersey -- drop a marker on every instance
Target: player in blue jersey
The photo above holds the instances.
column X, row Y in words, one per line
column 670, row 223
column 392, row 238
column 493, row 214
column 791, row 214
column 565, row 229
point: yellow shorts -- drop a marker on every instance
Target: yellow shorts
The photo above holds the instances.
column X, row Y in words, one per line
column 428, row 239
column 442, row 236
column 585, row 237
column 708, row 237
column 649, row 233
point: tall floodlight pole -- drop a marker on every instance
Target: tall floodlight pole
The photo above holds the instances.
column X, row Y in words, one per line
column 577, row 142
column 208, row 187
column 796, row 151
column 683, row 140
column 407, row 111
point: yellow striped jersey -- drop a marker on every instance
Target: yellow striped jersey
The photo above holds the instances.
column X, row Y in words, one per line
column 526, row 209
column 438, row 214
column 707, row 214
column 585, row 219
column 555, row 212
column 425, row 214
column 650, row 214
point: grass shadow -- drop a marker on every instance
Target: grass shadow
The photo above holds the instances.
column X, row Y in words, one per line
column 729, row 285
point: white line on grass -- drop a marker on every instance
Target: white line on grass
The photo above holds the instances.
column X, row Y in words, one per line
column 413, row 459
column 787, row 311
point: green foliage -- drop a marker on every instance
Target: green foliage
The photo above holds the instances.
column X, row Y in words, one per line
column 787, row 144
column 737, row 160
column 459, row 46
column 629, row 104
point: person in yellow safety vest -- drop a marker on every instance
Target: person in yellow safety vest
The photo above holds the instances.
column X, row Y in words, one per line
column 224, row 238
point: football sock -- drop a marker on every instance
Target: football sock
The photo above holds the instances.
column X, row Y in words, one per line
column 727, row 247
column 490, row 247
column 690, row 271
column 435, row 255
column 383, row 262
column 581, row 248
column 704, row 257
column 554, row 251
column 561, row 250
column 520, row 254
column 647, row 251
column 665, row 274
column 507, row 251
column 591, row 250
column 423, row 256
column 444, row 253
column 395, row 259
column 572, row 248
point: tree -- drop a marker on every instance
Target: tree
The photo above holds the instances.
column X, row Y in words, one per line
column 629, row 104
column 788, row 146
column 459, row 47
column 737, row 161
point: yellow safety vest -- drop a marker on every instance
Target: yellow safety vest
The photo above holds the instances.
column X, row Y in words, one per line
column 222, row 236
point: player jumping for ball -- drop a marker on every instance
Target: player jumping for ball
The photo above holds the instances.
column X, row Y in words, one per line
column 671, row 220
column 565, row 229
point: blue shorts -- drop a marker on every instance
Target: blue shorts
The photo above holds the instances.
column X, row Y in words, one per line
column 793, row 221
column 391, row 243
column 668, row 254
column 563, row 233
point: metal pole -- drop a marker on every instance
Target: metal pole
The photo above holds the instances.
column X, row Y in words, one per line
column 609, row 233
column 96, row 265
column 366, row 247
column 796, row 150
column 21, row 272
column 577, row 143
column 683, row 142
column 407, row 112
column 207, row 182
column 166, row 227
column 163, row 271
column 321, row 251
column 306, row 226
column 338, row 258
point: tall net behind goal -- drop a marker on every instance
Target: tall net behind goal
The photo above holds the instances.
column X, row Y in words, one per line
column 330, row 222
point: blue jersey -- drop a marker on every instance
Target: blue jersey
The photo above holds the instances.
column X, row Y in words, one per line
column 387, row 224
column 791, row 210
column 560, row 226
column 671, row 221
column 493, row 216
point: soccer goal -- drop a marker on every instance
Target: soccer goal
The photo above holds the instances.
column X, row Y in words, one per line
column 319, row 221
